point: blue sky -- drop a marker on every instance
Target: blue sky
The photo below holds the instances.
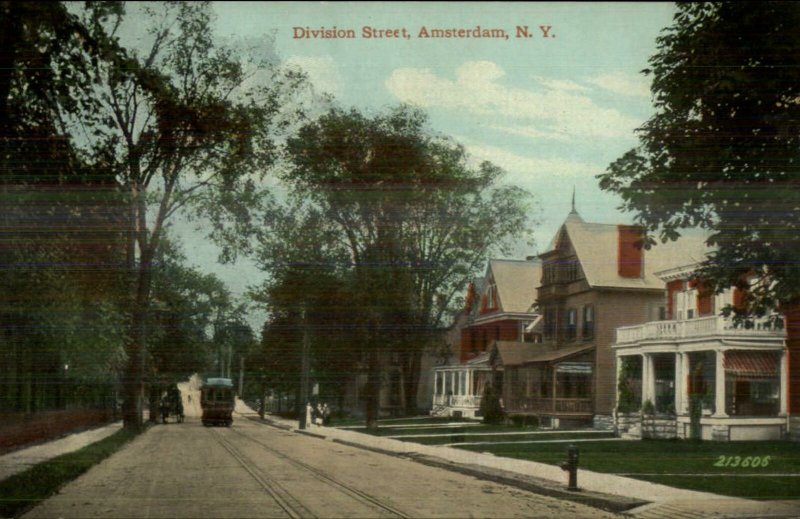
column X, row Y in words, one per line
column 552, row 111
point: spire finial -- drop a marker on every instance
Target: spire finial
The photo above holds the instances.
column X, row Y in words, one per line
column 573, row 199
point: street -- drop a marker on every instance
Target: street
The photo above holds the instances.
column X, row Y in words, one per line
column 254, row 470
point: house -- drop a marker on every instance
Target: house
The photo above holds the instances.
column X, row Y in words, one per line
column 699, row 374
column 595, row 278
column 497, row 308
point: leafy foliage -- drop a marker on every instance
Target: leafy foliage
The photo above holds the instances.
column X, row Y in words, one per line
column 721, row 152
column 490, row 408
column 405, row 214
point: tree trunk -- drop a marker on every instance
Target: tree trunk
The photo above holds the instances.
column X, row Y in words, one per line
column 132, row 413
column 155, row 397
column 411, row 377
column 792, row 325
column 373, row 389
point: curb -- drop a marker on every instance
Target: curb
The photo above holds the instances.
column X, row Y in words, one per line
column 546, row 487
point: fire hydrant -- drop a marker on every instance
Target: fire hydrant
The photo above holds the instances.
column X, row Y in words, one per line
column 571, row 466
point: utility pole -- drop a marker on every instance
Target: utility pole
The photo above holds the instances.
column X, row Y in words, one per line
column 304, row 368
column 241, row 374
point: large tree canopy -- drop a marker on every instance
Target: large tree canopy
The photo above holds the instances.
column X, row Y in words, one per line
column 722, row 150
column 405, row 216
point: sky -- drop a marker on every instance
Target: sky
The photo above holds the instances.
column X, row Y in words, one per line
column 553, row 108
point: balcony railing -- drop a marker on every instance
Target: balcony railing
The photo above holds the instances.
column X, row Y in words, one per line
column 704, row 326
column 550, row 405
column 457, row 400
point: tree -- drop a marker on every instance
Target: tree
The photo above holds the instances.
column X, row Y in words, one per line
column 53, row 191
column 308, row 296
column 721, row 152
column 181, row 122
column 415, row 218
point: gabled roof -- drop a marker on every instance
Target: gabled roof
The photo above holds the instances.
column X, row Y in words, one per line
column 596, row 246
column 516, row 282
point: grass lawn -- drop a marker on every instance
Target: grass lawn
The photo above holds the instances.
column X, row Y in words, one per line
column 683, row 464
column 489, row 438
column 455, row 429
column 414, row 420
column 26, row 489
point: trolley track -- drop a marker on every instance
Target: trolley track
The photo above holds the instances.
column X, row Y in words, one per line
column 284, row 499
column 288, row 502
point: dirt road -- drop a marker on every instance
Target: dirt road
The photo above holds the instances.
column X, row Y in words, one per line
column 253, row 470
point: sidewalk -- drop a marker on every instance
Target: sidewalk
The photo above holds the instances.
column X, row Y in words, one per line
column 654, row 500
column 23, row 459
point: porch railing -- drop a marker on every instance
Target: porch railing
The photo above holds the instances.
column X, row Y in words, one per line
column 550, row 405
column 704, row 326
column 457, row 400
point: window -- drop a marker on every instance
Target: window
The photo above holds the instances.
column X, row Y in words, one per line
column 489, row 299
column 548, row 274
column 549, row 322
column 588, row 322
column 572, row 324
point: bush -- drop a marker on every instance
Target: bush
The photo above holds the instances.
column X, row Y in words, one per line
column 490, row 409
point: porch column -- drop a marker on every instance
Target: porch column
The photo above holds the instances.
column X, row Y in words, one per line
column 470, row 391
column 719, row 390
column 618, row 359
column 683, row 384
column 648, row 378
column 452, row 382
column 784, row 394
column 435, row 383
column 678, row 384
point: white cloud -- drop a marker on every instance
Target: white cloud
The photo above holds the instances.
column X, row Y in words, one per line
column 560, row 84
column 523, row 169
column 322, row 71
column 530, row 132
column 620, row 83
column 556, row 111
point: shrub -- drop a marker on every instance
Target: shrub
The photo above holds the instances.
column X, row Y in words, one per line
column 490, row 409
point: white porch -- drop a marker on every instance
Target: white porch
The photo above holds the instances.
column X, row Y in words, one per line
column 702, row 378
column 457, row 390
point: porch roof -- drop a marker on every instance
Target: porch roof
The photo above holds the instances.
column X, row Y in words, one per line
column 512, row 353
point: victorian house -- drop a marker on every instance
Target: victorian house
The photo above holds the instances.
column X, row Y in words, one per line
column 698, row 374
column 594, row 279
column 499, row 307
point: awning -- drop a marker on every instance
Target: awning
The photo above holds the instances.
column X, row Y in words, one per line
column 582, row 368
column 757, row 364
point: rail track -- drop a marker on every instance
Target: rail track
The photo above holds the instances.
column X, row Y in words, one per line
column 293, row 507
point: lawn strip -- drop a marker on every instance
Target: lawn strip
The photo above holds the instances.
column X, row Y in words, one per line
column 495, row 439
column 25, row 490
column 683, row 460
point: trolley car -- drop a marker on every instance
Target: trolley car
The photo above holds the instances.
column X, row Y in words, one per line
column 217, row 401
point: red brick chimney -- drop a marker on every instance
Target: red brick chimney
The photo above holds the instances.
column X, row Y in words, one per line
column 630, row 255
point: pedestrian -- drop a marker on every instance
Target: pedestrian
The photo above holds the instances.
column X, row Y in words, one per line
column 326, row 415
column 318, row 417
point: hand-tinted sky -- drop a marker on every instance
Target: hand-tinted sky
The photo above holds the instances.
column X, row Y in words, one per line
column 552, row 111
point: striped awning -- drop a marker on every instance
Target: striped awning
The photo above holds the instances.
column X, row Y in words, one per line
column 752, row 363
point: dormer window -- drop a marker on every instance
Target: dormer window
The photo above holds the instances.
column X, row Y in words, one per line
column 489, row 299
